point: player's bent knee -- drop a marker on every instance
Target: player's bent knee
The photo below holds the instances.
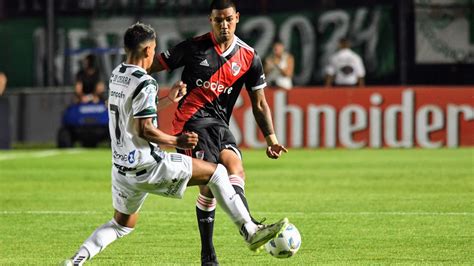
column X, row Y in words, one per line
column 125, row 220
column 220, row 171
column 235, row 169
column 240, row 174
column 121, row 230
column 202, row 172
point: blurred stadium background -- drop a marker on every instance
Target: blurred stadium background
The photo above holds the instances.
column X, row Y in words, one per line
column 419, row 56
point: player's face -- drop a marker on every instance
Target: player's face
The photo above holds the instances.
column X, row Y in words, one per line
column 224, row 23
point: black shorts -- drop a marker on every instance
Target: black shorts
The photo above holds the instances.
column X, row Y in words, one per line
column 212, row 140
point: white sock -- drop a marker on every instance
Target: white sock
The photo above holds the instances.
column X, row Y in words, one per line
column 80, row 257
column 101, row 238
column 228, row 199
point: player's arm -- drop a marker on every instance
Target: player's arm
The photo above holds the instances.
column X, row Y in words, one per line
column 263, row 117
column 175, row 94
column 255, row 82
column 149, row 132
column 144, row 112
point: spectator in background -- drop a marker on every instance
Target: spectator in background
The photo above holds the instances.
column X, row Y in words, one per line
column 3, row 82
column 5, row 139
column 279, row 67
column 89, row 87
column 345, row 67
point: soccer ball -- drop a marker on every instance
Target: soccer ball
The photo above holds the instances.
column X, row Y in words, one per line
column 286, row 244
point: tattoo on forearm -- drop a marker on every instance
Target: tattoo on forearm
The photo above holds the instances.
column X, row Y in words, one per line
column 264, row 121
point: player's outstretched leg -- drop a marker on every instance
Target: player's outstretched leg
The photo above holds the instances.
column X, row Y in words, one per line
column 231, row 158
column 233, row 206
column 238, row 184
column 102, row 237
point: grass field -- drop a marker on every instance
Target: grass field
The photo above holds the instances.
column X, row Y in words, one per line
column 351, row 207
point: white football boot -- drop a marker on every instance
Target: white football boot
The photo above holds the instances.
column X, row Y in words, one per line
column 264, row 234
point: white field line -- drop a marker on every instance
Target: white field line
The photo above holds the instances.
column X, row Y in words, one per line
column 46, row 153
column 260, row 213
column 37, row 154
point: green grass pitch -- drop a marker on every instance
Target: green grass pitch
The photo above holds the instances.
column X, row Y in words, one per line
column 351, row 206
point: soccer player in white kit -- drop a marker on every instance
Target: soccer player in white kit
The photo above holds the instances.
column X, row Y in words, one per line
column 141, row 167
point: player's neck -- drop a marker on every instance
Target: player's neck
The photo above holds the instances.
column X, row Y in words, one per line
column 137, row 62
column 225, row 44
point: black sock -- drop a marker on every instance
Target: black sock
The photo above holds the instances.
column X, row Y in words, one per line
column 241, row 193
column 206, row 229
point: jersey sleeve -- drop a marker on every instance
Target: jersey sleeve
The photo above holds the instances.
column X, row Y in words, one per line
column 176, row 56
column 144, row 99
column 255, row 76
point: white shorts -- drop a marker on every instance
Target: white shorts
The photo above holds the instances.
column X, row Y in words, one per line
column 168, row 178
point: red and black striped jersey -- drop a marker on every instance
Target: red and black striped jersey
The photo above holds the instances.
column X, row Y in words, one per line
column 214, row 79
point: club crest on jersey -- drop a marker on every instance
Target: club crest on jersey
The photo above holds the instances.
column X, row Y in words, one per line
column 131, row 157
column 235, row 68
column 200, row 155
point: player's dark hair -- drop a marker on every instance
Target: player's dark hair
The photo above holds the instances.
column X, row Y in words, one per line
column 221, row 4
column 137, row 34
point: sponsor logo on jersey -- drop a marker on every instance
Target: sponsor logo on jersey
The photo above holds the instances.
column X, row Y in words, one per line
column 120, row 80
column 214, row 86
column 117, row 94
column 128, row 157
column 200, row 155
column 131, row 157
column 204, row 63
column 235, row 68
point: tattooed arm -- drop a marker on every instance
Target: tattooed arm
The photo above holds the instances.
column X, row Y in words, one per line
column 263, row 117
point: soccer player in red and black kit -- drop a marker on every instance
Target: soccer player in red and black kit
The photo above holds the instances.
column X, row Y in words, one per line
column 216, row 66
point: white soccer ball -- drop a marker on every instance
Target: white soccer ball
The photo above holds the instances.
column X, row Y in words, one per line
column 286, row 244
